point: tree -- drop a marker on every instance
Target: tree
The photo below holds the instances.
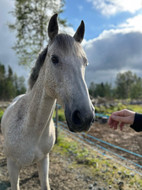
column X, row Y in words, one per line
column 92, row 89
column 30, row 25
column 2, row 79
column 19, row 85
column 136, row 89
column 10, row 84
column 124, row 82
column 101, row 89
column 108, row 90
column 2, row 71
column 127, row 85
column 10, row 73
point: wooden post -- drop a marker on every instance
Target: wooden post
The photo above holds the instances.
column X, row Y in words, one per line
column 56, row 131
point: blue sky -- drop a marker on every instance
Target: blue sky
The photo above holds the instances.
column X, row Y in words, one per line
column 113, row 36
column 95, row 21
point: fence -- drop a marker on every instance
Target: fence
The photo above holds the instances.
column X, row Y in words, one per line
column 94, row 142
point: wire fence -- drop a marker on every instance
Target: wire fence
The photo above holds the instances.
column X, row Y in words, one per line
column 100, row 148
column 94, row 143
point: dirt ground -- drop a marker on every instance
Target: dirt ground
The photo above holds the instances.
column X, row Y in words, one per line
column 65, row 177
column 128, row 139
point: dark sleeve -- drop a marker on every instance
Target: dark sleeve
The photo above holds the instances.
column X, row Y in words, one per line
column 137, row 125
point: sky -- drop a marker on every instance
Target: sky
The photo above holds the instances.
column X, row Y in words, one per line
column 112, row 42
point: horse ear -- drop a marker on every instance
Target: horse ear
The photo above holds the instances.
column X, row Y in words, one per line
column 53, row 27
column 79, row 35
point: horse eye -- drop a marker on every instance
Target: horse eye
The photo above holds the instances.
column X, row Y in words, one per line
column 54, row 59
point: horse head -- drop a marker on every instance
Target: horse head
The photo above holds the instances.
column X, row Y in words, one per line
column 65, row 76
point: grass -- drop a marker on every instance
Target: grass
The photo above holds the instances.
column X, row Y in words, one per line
column 61, row 115
column 97, row 165
column 119, row 106
column 1, row 113
column 136, row 108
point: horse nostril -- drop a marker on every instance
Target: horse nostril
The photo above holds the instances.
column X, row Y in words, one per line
column 76, row 117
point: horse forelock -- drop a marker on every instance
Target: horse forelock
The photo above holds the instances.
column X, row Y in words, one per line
column 36, row 69
column 64, row 41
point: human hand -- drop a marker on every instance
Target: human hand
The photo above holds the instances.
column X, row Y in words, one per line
column 121, row 117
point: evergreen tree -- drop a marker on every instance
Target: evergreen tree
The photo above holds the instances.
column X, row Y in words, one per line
column 92, row 89
column 102, row 90
column 127, row 85
column 10, row 84
column 2, row 80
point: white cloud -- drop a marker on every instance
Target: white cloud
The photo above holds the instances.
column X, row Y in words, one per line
column 111, row 7
column 68, row 30
column 114, row 51
column 134, row 23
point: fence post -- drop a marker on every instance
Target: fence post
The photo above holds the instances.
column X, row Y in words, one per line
column 56, row 129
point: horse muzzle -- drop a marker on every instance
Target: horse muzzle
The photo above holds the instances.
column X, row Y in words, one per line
column 79, row 120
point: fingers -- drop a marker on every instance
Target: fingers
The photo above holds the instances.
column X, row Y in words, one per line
column 115, row 124
column 110, row 120
column 119, row 118
column 123, row 117
column 121, row 126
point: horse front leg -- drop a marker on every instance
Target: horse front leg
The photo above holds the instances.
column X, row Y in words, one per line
column 43, row 169
column 13, row 171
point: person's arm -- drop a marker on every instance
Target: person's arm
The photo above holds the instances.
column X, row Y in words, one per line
column 137, row 125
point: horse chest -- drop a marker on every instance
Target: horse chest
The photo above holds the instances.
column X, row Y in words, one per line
column 30, row 149
column 33, row 153
column 44, row 145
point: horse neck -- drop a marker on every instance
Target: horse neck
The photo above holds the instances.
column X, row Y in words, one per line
column 41, row 105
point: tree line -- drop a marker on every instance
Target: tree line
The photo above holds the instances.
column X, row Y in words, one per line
column 127, row 85
column 10, row 84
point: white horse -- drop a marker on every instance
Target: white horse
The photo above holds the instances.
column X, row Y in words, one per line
column 27, row 125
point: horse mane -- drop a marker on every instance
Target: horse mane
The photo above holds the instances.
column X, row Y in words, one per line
column 36, row 69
